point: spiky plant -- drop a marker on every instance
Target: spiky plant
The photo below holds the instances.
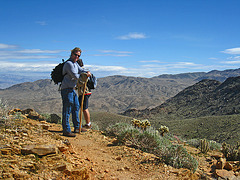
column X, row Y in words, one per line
column 163, row 129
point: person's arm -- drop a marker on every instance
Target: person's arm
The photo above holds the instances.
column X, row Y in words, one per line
column 71, row 71
column 81, row 70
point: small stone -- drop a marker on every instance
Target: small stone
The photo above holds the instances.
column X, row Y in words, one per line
column 40, row 150
column 228, row 166
column 66, row 141
column 6, row 151
column 106, row 170
column 92, row 169
column 87, row 159
column 221, row 163
column 118, row 158
column 120, row 169
column 61, row 167
column 62, row 148
column 225, row 174
column 45, row 126
column 127, row 168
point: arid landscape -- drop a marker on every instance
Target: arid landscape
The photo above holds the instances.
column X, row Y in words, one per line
column 191, row 108
column 35, row 149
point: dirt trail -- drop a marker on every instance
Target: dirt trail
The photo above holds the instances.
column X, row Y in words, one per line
column 104, row 160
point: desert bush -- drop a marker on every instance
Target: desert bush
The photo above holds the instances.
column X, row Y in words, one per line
column 4, row 108
column 52, row 118
column 95, row 126
column 213, row 145
column 193, row 142
column 177, row 156
column 46, row 116
column 231, row 152
column 117, row 129
column 151, row 141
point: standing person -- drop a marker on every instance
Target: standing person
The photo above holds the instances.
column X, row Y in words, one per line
column 87, row 95
column 71, row 72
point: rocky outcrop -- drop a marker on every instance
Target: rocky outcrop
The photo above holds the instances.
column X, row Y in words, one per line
column 227, row 170
column 29, row 151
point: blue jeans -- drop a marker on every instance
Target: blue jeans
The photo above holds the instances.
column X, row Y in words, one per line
column 70, row 105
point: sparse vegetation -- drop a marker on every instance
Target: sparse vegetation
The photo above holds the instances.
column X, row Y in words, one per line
column 204, row 146
column 231, row 152
column 213, row 145
column 163, row 129
column 216, row 128
column 141, row 124
column 152, row 142
column 4, row 108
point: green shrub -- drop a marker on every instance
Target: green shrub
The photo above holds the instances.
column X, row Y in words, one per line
column 117, row 129
column 231, row 152
column 213, row 145
column 4, row 108
column 152, row 142
column 52, row 118
column 193, row 142
column 177, row 156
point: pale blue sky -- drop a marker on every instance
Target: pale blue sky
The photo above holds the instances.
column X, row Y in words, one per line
column 143, row 38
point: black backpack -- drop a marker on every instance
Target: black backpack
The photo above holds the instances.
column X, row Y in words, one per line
column 92, row 82
column 56, row 74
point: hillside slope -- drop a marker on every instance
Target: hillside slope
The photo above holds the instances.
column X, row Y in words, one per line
column 89, row 155
column 114, row 94
column 205, row 98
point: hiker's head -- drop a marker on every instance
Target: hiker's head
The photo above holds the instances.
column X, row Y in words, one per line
column 75, row 53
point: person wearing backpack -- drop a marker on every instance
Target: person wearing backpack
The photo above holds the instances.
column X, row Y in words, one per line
column 87, row 95
column 71, row 72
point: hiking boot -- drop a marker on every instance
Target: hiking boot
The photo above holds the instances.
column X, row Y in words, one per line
column 82, row 130
column 69, row 134
column 87, row 126
column 76, row 131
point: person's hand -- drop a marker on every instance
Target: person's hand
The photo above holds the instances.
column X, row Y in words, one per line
column 88, row 74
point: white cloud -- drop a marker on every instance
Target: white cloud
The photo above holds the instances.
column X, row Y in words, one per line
column 234, row 58
column 7, row 52
column 151, row 61
column 26, row 66
column 7, row 46
column 231, row 62
column 113, row 53
column 134, row 35
column 232, row 51
column 106, row 68
column 26, row 57
column 116, row 55
column 34, row 51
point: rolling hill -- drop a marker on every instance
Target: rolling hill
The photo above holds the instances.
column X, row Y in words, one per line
column 205, row 98
column 114, row 94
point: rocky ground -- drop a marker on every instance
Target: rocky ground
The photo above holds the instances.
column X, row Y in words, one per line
column 33, row 149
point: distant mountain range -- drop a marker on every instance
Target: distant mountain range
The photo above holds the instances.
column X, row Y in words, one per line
column 8, row 80
column 205, row 98
column 114, row 93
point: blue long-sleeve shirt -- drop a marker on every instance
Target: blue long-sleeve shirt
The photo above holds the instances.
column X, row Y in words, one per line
column 72, row 72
